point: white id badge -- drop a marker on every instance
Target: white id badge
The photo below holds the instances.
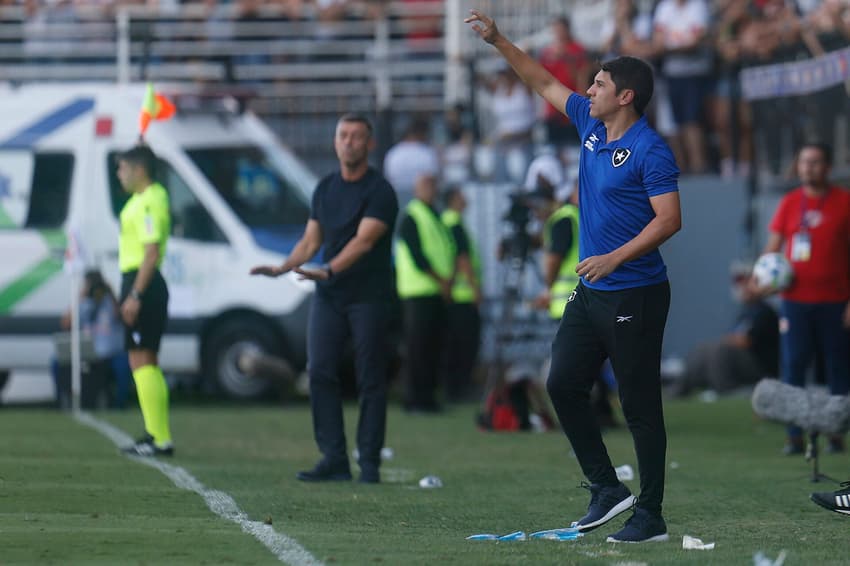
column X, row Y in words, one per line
column 801, row 247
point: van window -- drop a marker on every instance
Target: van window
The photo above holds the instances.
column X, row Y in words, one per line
column 189, row 218
column 259, row 194
column 35, row 190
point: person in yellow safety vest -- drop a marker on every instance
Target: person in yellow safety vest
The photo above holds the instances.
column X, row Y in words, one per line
column 464, row 321
column 560, row 248
column 425, row 264
column 560, row 258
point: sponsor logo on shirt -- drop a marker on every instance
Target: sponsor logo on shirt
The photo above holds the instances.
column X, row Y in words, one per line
column 590, row 143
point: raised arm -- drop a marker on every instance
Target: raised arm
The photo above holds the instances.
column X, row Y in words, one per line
column 530, row 71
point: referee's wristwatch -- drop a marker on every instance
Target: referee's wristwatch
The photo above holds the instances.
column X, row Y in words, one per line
column 327, row 267
column 135, row 294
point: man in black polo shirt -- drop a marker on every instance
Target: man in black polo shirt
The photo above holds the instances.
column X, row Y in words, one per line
column 352, row 213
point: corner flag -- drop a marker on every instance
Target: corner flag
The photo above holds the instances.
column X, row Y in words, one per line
column 154, row 107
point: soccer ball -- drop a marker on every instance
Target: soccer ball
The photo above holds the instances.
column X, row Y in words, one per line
column 773, row 271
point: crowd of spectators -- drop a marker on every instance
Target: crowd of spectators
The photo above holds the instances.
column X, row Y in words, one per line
column 698, row 49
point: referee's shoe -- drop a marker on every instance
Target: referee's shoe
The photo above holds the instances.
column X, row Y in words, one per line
column 606, row 502
column 838, row 501
column 146, row 448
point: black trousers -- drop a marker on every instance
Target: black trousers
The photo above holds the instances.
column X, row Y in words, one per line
column 462, row 342
column 330, row 326
column 424, row 328
column 628, row 327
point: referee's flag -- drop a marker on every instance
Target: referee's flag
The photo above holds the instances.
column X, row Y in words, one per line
column 154, row 107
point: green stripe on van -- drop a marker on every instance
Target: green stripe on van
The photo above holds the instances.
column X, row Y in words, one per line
column 5, row 219
column 36, row 276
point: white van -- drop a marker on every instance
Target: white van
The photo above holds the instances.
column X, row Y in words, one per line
column 238, row 199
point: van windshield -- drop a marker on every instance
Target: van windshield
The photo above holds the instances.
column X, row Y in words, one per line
column 269, row 198
column 257, row 191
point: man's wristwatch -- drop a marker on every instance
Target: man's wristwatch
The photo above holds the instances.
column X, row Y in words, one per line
column 135, row 294
column 327, row 267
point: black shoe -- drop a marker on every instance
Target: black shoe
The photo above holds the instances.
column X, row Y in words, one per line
column 606, row 502
column 643, row 526
column 370, row 476
column 838, row 501
column 326, row 472
column 146, row 447
column 369, row 473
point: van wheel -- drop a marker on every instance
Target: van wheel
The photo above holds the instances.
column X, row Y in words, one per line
column 223, row 350
column 4, row 377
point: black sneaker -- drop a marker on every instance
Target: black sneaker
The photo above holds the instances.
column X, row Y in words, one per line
column 838, row 501
column 369, row 473
column 370, row 476
column 606, row 502
column 643, row 526
column 323, row 471
column 146, row 447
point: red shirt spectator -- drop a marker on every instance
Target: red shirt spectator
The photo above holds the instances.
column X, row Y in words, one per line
column 825, row 277
column 425, row 19
column 566, row 59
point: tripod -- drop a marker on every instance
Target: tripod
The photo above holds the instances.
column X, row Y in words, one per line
column 515, row 262
column 812, row 453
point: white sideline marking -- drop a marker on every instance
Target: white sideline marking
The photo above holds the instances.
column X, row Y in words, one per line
column 285, row 548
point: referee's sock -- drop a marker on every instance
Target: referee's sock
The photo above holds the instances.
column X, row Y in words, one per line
column 153, row 400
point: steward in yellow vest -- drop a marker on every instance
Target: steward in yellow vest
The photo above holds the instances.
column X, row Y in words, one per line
column 560, row 248
column 425, row 260
column 464, row 320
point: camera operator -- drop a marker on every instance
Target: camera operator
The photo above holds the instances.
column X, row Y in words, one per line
column 559, row 240
column 560, row 232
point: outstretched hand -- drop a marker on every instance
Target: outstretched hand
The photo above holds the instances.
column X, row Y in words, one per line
column 267, row 270
column 486, row 29
column 318, row 274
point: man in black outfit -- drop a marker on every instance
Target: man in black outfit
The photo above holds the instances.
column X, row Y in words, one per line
column 351, row 215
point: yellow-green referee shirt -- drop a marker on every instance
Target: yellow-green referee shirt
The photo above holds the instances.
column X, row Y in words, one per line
column 145, row 219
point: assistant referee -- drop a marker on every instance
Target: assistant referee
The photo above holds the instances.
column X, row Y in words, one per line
column 145, row 227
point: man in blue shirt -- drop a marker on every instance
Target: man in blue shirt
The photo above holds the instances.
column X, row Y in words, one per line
column 628, row 190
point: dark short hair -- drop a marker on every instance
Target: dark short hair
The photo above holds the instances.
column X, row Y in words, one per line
column 563, row 21
column 140, row 155
column 357, row 118
column 633, row 74
column 824, row 148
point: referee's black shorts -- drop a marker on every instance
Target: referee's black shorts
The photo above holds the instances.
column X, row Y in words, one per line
column 153, row 313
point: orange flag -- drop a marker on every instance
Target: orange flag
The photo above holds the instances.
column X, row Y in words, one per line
column 154, row 107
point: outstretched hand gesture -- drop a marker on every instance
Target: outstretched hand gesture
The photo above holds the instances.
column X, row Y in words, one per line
column 268, row 270
column 486, row 29
column 317, row 274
